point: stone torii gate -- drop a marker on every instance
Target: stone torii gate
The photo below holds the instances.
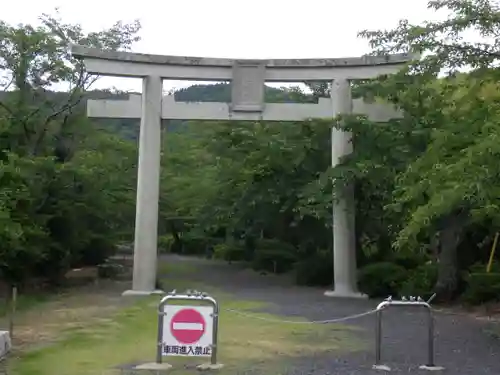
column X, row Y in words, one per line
column 248, row 78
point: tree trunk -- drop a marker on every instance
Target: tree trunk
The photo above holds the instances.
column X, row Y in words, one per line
column 448, row 272
column 434, row 247
column 177, row 245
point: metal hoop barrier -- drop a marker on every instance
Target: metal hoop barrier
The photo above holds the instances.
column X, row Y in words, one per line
column 192, row 322
column 416, row 302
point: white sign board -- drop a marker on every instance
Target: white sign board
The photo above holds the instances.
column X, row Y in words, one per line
column 187, row 331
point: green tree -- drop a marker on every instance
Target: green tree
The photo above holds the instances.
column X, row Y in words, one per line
column 451, row 182
column 33, row 60
column 65, row 189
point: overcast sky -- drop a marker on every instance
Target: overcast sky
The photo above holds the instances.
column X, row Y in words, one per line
column 256, row 29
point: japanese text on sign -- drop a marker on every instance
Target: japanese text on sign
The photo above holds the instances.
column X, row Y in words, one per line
column 187, row 350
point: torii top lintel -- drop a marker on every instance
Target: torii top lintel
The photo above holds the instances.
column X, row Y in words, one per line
column 127, row 64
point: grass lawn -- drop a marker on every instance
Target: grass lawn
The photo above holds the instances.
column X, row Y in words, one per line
column 128, row 337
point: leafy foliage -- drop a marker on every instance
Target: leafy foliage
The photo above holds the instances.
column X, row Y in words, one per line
column 381, row 279
column 482, row 287
column 65, row 188
column 426, row 184
column 315, row 269
column 449, row 185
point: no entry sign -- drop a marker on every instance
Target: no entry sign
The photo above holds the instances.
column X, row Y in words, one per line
column 187, row 330
column 187, row 326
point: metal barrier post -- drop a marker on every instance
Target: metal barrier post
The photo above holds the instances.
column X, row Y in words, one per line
column 215, row 332
column 378, row 337
column 188, row 296
column 430, row 338
column 404, row 302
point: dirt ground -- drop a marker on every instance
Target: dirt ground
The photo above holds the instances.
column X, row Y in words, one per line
column 465, row 343
column 47, row 321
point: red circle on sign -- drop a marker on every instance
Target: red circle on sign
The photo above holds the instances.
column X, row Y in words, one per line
column 187, row 326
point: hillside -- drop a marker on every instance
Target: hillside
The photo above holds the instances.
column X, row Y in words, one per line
column 220, row 92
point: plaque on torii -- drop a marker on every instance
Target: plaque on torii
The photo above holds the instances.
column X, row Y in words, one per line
column 247, row 91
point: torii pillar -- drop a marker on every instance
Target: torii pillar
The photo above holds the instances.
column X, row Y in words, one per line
column 148, row 188
column 248, row 78
column 343, row 210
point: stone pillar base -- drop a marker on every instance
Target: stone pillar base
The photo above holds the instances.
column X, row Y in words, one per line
column 345, row 294
column 5, row 344
column 209, row 367
column 141, row 293
column 381, row 367
column 153, row 366
column 431, row 368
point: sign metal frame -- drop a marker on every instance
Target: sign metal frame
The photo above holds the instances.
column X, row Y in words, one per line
column 189, row 297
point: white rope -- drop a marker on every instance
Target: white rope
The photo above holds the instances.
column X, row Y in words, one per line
column 328, row 321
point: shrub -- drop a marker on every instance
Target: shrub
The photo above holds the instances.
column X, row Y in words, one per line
column 97, row 251
column 381, row 279
column 420, row 282
column 165, row 243
column 159, row 284
column 481, row 268
column 315, row 270
column 109, row 270
column 273, row 256
column 210, row 244
column 229, row 251
column 482, row 287
column 194, row 243
column 409, row 260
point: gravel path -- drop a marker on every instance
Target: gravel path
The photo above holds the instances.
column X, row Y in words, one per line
column 462, row 344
